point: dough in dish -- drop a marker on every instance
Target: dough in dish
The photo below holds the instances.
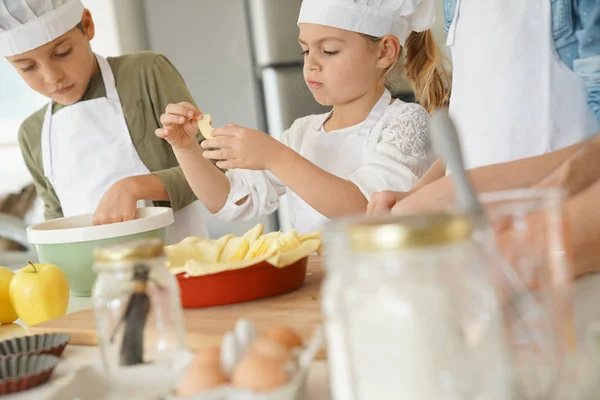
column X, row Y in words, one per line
column 205, row 126
column 197, row 257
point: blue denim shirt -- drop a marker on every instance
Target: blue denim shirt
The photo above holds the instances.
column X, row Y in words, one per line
column 576, row 30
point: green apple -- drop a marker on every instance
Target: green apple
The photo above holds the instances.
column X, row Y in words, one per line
column 39, row 293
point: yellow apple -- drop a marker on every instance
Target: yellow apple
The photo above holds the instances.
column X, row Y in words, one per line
column 7, row 311
column 39, row 292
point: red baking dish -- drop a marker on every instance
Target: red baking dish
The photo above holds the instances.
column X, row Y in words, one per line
column 238, row 286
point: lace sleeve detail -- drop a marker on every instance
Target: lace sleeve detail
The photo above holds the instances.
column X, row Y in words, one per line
column 406, row 135
column 399, row 154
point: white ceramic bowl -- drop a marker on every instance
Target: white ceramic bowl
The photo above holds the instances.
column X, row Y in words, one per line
column 70, row 242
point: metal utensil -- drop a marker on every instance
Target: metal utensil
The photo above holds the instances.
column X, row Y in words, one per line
column 447, row 145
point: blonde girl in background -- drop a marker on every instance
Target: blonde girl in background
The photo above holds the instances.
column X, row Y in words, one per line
column 355, row 56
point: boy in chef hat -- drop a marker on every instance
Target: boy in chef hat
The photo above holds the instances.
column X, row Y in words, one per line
column 355, row 56
column 92, row 149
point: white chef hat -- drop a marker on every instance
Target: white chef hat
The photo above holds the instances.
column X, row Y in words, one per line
column 371, row 17
column 29, row 24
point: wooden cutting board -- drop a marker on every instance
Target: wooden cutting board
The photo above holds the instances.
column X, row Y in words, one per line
column 299, row 310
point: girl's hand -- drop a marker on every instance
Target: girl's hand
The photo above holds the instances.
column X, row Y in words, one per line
column 180, row 125
column 383, row 202
column 118, row 204
column 242, row 148
column 435, row 197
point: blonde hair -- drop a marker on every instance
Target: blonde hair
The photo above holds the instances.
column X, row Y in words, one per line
column 420, row 61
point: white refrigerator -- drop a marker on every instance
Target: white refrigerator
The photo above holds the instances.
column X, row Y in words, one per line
column 242, row 63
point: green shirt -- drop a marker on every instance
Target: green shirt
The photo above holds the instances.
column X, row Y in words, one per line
column 146, row 82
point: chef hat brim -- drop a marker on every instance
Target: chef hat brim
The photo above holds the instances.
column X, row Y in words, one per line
column 356, row 18
column 42, row 30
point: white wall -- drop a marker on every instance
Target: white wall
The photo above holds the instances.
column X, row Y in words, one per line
column 120, row 26
column 106, row 42
column 17, row 101
column 208, row 42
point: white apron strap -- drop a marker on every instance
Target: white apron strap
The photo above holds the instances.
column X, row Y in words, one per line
column 46, row 145
column 109, row 79
column 376, row 113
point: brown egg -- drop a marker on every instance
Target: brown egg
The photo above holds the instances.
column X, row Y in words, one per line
column 259, row 373
column 268, row 348
column 284, row 336
column 208, row 356
column 200, row 379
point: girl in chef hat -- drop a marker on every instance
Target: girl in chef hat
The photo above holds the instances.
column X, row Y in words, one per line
column 92, row 149
column 356, row 54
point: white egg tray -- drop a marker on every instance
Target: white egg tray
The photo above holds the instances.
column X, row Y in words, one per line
column 233, row 348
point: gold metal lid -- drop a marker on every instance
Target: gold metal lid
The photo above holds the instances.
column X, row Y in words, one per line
column 408, row 232
column 134, row 251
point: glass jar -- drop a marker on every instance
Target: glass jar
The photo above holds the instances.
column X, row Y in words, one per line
column 535, row 279
column 137, row 306
column 410, row 312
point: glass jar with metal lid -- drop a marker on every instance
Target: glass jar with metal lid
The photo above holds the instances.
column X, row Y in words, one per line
column 410, row 311
column 137, row 306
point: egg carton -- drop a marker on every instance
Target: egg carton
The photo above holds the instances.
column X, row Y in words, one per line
column 234, row 346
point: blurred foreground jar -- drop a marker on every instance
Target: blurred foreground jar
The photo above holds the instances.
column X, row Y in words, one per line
column 137, row 306
column 410, row 312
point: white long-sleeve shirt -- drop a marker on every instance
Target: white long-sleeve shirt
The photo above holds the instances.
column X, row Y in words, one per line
column 393, row 156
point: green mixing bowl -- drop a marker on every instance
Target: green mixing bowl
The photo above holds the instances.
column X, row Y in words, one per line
column 70, row 242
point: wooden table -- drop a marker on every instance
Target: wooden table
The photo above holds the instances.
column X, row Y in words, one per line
column 299, row 310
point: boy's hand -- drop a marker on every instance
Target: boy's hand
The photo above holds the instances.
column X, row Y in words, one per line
column 118, row 204
column 243, row 148
column 180, row 125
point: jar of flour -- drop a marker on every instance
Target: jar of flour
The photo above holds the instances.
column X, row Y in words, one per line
column 410, row 311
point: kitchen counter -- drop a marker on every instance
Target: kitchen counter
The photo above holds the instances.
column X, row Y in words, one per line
column 80, row 356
